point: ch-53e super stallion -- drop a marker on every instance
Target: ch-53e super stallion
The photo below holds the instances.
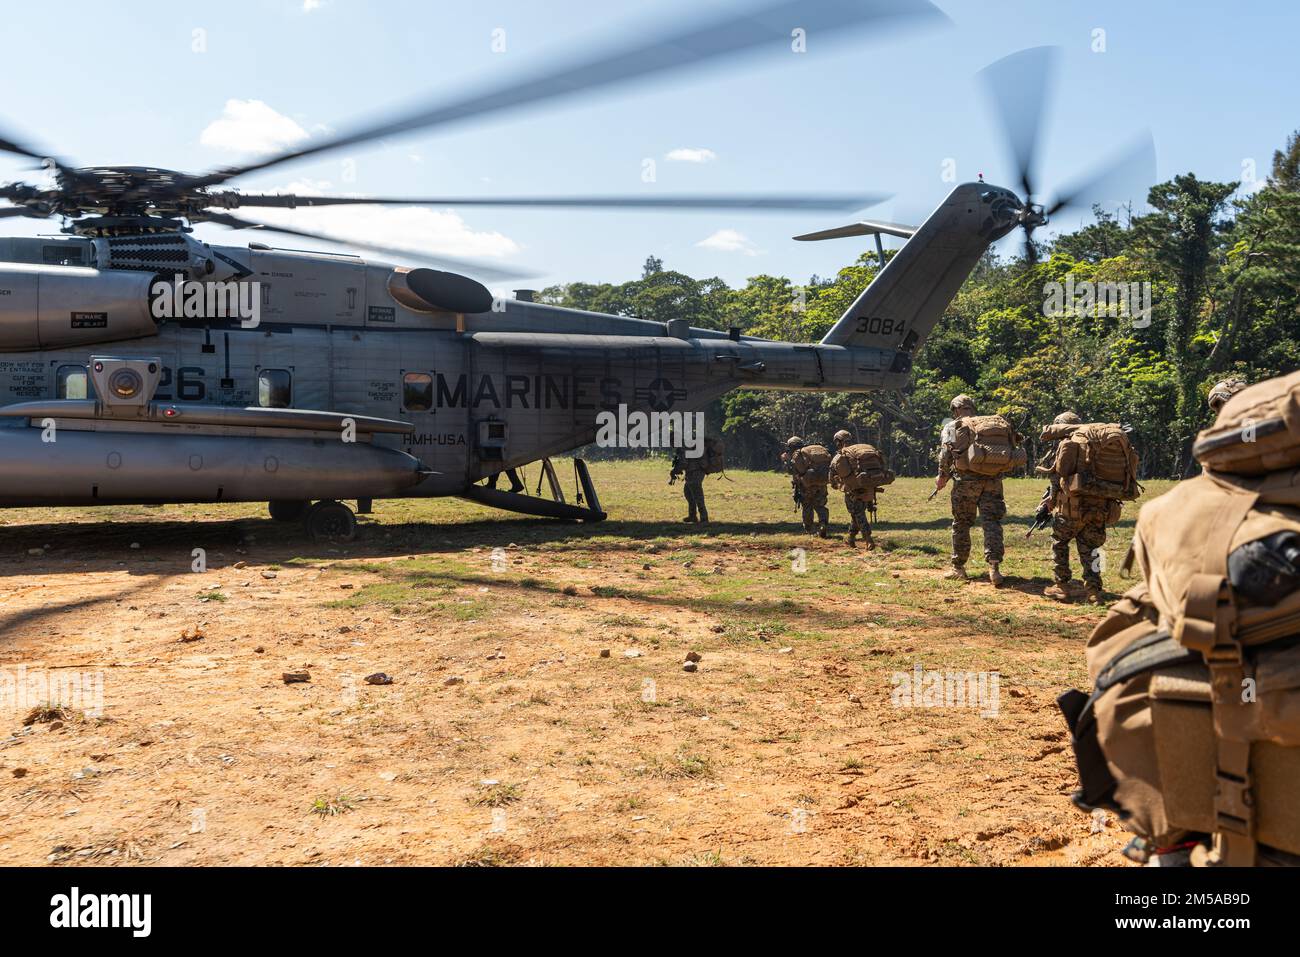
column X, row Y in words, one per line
column 139, row 365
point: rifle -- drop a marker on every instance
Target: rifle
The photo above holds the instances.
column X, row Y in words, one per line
column 1042, row 518
column 930, row 497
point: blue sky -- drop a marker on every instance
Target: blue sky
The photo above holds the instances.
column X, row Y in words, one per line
column 1216, row 84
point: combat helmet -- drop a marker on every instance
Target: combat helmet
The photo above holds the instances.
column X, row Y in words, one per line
column 1223, row 391
column 1067, row 418
column 960, row 402
column 842, row 436
column 794, row 442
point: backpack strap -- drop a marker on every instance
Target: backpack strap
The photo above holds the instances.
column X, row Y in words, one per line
column 1208, row 624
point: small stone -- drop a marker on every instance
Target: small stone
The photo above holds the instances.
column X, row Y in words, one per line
column 631, row 653
column 717, row 629
column 347, row 585
column 690, row 667
column 259, row 650
column 35, row 551
column 135, row 544
column 694, row 656
column 604, row 652
column 296, row 677
column 268, row 574
column 379, row 678
column 240, row 565
column 20, row 772
column 453, row 680
column 785, row 651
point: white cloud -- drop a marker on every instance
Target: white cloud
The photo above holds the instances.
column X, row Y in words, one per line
column 310, row 5
column 729, row 241
column 417, row 228
column 250, row 126
column 686, row 154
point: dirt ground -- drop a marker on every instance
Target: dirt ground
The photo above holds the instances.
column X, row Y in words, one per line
column 539, row 711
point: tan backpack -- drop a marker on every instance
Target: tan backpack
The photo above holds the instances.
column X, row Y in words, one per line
column 1193, row 726
column 1098, row 461
column 860, row 468
column 987, row 445
column 812, row 464
column 715, row 456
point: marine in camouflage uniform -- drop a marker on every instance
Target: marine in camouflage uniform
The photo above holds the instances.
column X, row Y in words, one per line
column 692, row 470
column 855, row 502
column 1081, row 519
column 972, row 496
column 812, row 499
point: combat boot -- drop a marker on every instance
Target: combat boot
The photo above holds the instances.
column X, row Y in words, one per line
column 821, row 530
column 690, row 519
column 704, row 516
column 1057, row 592
column 868, row 543
column 956, row 571
column 995, row 576
column 1094, row 594
column 853, row 537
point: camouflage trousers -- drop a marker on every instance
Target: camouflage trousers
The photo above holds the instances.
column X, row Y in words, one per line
column 693, row 490
column 857, row 509
column 814, row 507
column 982, row 497
column 1088, row 531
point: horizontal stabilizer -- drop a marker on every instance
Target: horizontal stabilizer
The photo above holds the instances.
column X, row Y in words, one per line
column 868, row 227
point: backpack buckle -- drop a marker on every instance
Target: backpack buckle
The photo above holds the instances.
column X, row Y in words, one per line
column 1234, row 805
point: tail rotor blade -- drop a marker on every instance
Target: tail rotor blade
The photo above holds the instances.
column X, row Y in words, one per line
column 1019, row 86
column 1134, row 167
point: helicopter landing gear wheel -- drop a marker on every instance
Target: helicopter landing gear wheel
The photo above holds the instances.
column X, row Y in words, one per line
column 330, row 521
column 288, row 511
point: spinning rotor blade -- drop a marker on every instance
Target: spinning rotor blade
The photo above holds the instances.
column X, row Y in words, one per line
column 701, row 202
column 1134, row 164
column 1019, row 86
column 713, row 38
column 482, row 270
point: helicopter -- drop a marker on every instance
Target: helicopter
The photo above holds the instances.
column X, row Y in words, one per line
column 139, row 365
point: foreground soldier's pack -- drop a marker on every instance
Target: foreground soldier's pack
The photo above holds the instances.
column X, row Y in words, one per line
column 1192, row 731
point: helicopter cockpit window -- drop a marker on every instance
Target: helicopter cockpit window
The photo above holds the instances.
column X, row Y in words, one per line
column 72, row 382
column 274, row 389
column 417, row 392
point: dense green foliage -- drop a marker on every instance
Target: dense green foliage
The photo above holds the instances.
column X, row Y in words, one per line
column 1224, row 271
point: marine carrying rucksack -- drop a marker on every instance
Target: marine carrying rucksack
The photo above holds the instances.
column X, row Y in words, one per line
column 987, row 445
column 812, row 464
column 1098, row 461
column 715, row 456
column 860, row 468
column 1193, row 726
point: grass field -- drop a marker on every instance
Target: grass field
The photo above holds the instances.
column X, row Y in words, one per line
column 506, row 736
